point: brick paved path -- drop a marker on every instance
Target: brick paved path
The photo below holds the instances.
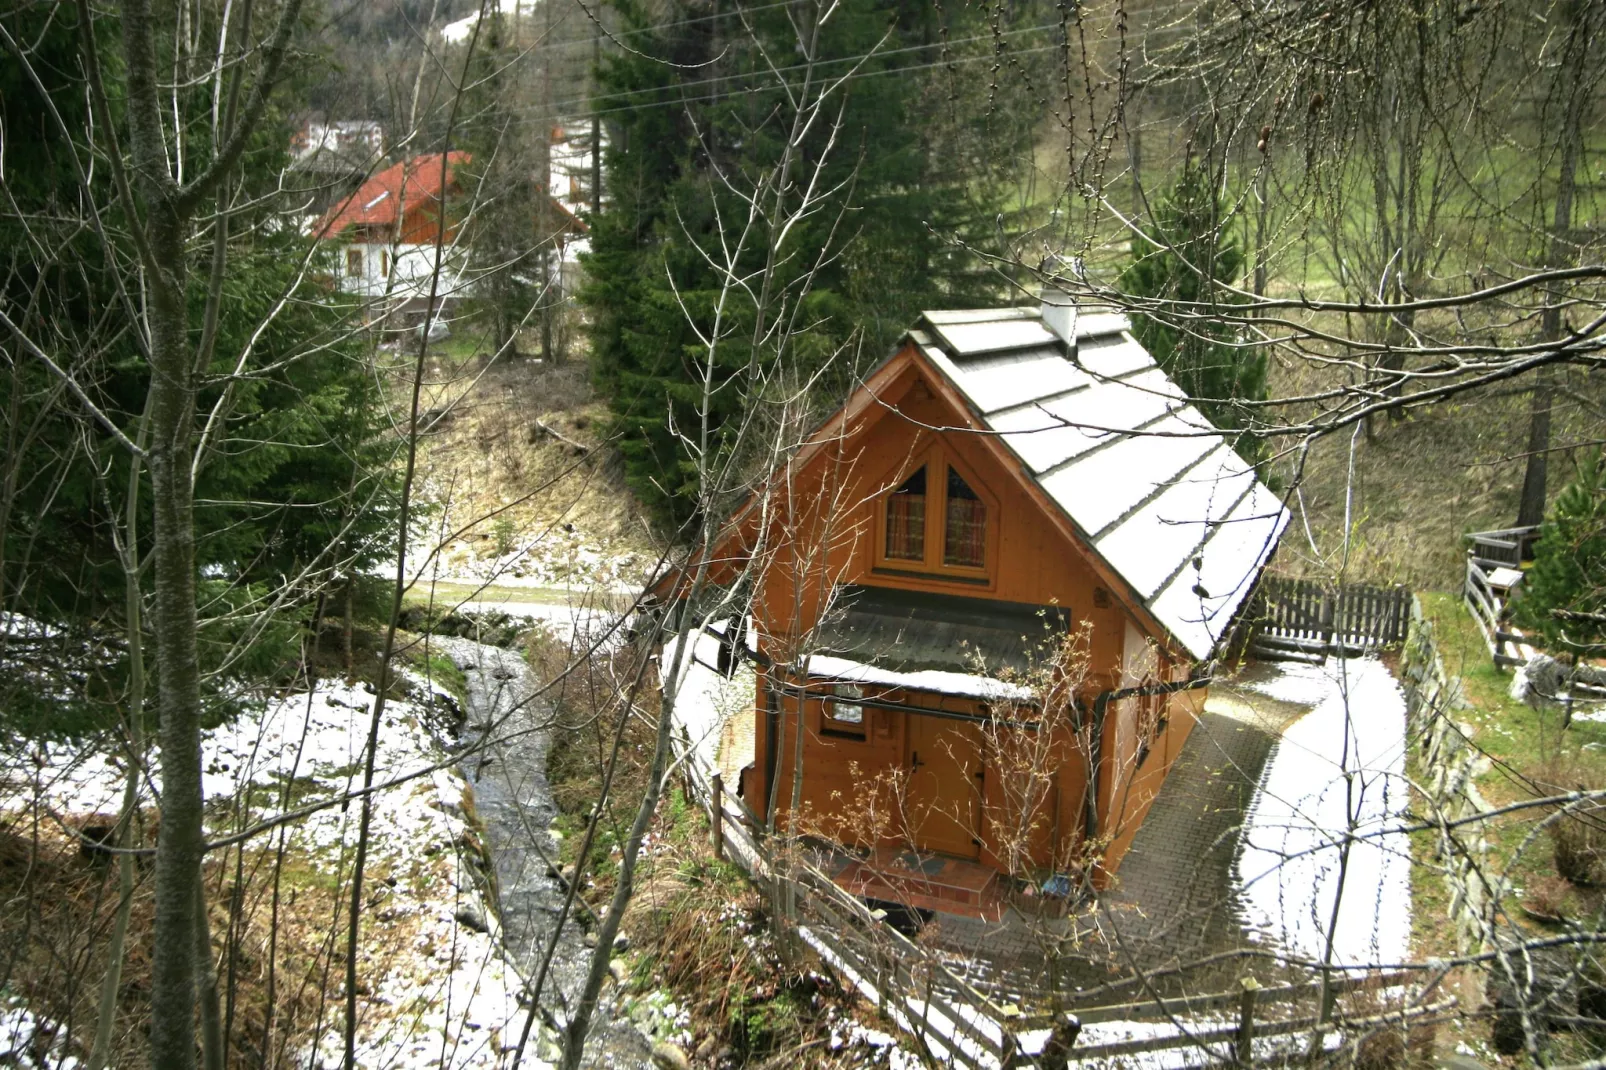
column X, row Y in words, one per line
column 1172, row 900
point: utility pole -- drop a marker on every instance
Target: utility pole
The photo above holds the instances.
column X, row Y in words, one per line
column 545, row 224
column 596, row 126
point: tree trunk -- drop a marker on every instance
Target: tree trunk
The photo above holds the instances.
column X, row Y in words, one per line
column 127, row 822
column 579, row 1026
column 206, row 992
column 1531, row 510
column 180, row 845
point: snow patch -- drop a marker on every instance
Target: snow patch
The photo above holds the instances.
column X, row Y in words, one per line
column 1341, row 766
column 437, row 992
column 30, row 1041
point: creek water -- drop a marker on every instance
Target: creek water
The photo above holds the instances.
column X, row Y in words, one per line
column 508, row 733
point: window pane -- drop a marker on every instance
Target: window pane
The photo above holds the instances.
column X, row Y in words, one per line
column 965, row 533
column 906, row 519
column 841, row 714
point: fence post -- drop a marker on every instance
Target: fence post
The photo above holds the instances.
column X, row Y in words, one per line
column 717, row 816
column 1246, row 1020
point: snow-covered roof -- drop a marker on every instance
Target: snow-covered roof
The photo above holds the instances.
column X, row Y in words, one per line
column 934, row 681
column 1155, row 489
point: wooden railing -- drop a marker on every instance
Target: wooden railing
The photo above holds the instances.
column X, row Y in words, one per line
column 1509, row 547
column 951, row 1021
column 1487, row 604
column 955, row 1025
column 1230, row 1037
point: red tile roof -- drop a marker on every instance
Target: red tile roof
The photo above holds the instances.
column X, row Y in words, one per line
column 378, row 200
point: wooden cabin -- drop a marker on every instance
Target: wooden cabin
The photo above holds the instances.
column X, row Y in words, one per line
column 1011, row 484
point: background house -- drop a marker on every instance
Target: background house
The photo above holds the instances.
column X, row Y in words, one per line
column 1007, row 478
column 385, row 236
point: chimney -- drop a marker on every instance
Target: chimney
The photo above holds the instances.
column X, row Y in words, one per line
column 1060, row 316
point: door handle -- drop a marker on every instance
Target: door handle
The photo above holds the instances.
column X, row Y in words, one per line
column 915, row 761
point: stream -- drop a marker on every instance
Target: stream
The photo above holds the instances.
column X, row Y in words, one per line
column 514, row 801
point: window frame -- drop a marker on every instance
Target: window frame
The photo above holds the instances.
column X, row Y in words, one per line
column 937, row 459
column 858, row 731
column 355, row 262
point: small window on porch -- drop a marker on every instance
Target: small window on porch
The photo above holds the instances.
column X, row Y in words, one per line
column 845, row 718
column 354, row 262
column 965, row 530
column 906, row 519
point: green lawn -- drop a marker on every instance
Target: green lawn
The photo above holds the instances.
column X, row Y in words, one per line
column 1530, row 753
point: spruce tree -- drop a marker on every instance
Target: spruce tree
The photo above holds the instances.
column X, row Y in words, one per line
column 1564, row 594
column 911, row 168
column 1193, row 259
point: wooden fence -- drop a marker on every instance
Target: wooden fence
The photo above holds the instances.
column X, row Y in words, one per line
column 1225, row 1025
column 1508, row 547
column 953, row 1023
column 1487, row 604
column 1309, row 619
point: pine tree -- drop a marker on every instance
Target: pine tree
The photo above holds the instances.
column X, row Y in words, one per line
column 1197, row 255
column 912, row 170
column 296, row 457
column 1564, row 594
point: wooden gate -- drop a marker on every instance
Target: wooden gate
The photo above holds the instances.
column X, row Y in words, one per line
column 1308, row 619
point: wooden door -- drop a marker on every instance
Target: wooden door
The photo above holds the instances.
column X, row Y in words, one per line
column 944, row 758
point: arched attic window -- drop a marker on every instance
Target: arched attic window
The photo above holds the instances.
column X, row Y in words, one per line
column 936, row 521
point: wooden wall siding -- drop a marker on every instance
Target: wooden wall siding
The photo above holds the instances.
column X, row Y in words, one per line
column 825, row 533
column 1139, row 783
column 847, row 793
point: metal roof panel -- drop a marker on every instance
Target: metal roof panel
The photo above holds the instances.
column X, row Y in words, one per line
column 1111, row 440
column 1149, row 546
column 1198, row 605
column 965, row 339
column 979, row 315
column 1111, row 357
column 1051, row 432
column 1098, row 488
column 1016, row 378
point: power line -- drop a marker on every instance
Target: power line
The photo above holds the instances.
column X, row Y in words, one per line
column 560, row 105
column 773, row 87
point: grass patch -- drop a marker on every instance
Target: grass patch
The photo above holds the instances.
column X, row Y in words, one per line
column 1530, row 755
column 437, row 668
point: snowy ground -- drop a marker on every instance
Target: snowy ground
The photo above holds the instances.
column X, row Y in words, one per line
column 706, row 698
column 1338, row 768
column 438, row 992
